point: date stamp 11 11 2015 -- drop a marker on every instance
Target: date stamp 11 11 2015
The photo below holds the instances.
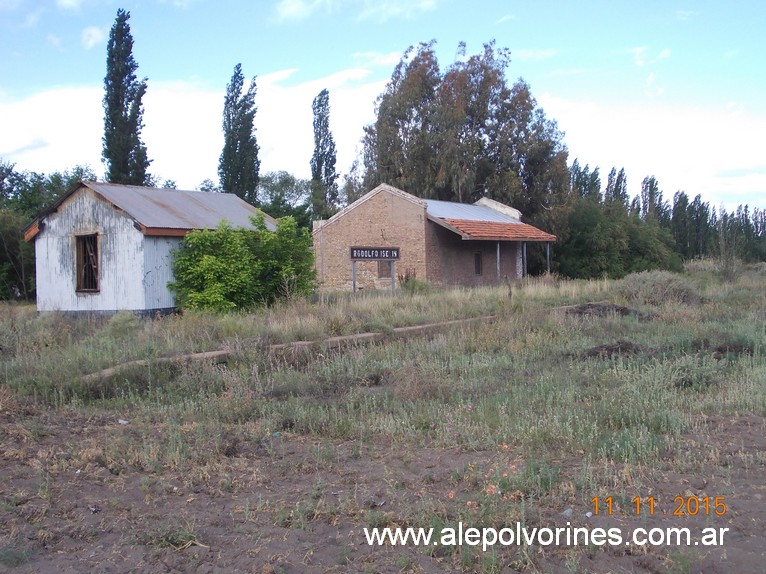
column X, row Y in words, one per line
column 681, row 506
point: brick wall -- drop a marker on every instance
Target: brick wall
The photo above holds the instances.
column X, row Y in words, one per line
column 451, row 260
column 382, row 220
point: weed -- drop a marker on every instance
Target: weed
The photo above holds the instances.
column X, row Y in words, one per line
column 11, row 557
column 169, row 535
column 657, row 288
column 376, row 519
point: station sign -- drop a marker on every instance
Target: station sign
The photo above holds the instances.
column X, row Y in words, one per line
column 374, row 253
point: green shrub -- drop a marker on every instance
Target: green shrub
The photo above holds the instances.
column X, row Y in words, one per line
column 228, row 269
column 410, row 282
column 213, row 270
column 285, row 260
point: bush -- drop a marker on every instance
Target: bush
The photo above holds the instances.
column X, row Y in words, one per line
column 228, row 269
column 599, row 240
column 285, row 260
column 657, row 288
column 410, row 282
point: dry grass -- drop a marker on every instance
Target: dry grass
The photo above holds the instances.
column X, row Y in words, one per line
column 540, row 410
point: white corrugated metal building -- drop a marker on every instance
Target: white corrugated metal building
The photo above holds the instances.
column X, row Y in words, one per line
column 105, row 247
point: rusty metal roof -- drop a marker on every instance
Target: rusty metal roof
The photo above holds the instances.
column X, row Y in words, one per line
column 466, row 211
column 177, row 209
column 167, row 211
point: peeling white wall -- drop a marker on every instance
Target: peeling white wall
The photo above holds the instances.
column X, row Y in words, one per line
column 121, row 257
column 158, row 272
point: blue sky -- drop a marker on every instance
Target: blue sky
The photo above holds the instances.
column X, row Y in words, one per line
column 666, row 88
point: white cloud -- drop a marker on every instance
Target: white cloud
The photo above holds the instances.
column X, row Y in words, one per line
column 641, row 59
column 182, row 129
column 709, row 151
column 284, row 120
column 299, row 9
column 69, row 4
column 54, row 41
column 381, row 10
column 685, row 15
column 735, row 107
column 715, row 152
column 638, row 55
column 505, row 19
column 183, row 124
column 37, row 136
column 9, row 5
column 93, row 36
column 182, row 132
column 651, row 89
column 32, row 18
column 378, row 59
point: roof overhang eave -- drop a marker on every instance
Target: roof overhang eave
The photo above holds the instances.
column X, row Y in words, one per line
column 510, row 240
column 452, row 228
column 163, row 231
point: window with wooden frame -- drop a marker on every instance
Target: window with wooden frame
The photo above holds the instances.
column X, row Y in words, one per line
column 477, row 263
column 87, row 263
column 384, row 269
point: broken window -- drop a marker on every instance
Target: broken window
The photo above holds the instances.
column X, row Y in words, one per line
column 477, row 263
column 384, row 269
column 87, row 262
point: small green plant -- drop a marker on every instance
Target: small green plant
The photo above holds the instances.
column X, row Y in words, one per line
column 409, row 282
column 123, row 324
column 11, row 557
column 169, row 535
column 376, row 519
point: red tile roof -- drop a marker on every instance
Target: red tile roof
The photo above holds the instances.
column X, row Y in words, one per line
column 495, row 231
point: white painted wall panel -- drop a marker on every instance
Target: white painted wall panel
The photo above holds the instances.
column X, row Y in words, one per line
column 121, row 257
column 158, row 259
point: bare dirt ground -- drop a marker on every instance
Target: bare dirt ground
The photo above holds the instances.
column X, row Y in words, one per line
column 290, row 503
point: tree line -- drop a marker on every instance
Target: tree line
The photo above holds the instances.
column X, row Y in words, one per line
column 606, row 233
column 466, row 132
column 456, row 134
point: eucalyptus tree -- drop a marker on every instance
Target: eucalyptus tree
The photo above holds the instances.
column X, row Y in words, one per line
column 465, row 134
column 399, row 146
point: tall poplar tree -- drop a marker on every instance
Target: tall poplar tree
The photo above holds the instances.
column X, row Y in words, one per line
column 324, row 178
column 616, row 192
column 123, row 152
column 239, row 164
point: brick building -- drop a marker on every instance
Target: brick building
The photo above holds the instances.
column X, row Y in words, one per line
column 445, row 243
